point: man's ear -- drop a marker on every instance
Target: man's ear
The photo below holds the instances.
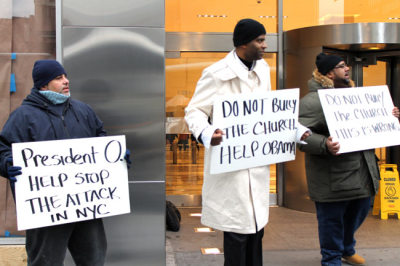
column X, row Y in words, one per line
column 44, row 88
column 242, row 46
column 330, row 74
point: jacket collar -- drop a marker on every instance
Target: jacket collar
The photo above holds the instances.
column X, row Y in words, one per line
column 38, row 100
column 237, row 69
column 324, row 81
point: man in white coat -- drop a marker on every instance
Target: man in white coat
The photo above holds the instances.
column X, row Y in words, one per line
column 235, row 202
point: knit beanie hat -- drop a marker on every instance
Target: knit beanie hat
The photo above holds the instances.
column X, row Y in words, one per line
column 326, row 63
column 247, row 30
column 45, row 71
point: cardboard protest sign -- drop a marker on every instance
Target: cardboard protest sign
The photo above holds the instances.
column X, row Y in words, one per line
column 65, row 181
column 360, row 118
column 260, row 129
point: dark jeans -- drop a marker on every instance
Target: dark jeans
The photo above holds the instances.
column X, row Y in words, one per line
column 243, row 249
column 337, row 223
column 85, row 240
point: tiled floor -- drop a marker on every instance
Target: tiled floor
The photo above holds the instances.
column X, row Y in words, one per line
column 291, row 238
column 185, row 177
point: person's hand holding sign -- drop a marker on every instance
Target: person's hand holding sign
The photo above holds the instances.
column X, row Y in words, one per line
column 333, row 147
column 127, row 158
column 305, row 135
column 396, row 112
column 12, row 170
column 216, row 138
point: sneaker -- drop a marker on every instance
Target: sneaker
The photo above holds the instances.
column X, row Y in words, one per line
column 354, row 260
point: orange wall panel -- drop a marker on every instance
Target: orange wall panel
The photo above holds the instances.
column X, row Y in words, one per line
column 217, row 16
column 300, row 14
column 222, row 15
column 375, row 75
column 373, row 10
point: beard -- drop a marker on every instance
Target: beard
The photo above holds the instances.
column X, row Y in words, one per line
column 341, row 83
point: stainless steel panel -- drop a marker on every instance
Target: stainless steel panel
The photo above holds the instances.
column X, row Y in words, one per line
column 59, row 31
column 119, row 13
column 209, row 42
column 355, row 36
column 295, row 194
column 279, row 85
column 137, row 238
column 120, row 73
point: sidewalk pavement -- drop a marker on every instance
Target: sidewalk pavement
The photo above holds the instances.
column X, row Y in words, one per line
column 291, row 238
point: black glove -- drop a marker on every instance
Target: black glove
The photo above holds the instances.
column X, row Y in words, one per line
column 12, row 171
column 127, row 158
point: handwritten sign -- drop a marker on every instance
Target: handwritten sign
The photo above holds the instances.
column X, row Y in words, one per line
column 72, row 180
column 260, row 129
column 360, row 118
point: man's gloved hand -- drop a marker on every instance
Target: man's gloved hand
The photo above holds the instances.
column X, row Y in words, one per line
column 12, row 170
column 127, row 158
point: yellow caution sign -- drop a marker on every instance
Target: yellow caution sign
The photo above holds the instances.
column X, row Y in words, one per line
column 387, row 200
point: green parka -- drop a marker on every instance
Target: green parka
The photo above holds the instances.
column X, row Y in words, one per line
column 333, row 177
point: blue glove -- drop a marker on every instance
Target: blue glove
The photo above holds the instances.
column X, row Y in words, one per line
column 12, row 171
column 127, row 158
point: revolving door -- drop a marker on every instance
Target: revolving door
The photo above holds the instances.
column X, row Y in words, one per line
column 372, row 51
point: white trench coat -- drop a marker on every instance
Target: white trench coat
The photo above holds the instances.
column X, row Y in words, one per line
column 235, row 201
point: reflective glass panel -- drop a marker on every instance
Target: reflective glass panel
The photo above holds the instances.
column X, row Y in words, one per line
column 184, row 156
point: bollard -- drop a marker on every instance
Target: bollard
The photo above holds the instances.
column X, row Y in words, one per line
column 174, row 152
column 194, row 154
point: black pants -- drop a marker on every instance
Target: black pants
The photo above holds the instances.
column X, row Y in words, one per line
column 243, row 249
column 85, row 240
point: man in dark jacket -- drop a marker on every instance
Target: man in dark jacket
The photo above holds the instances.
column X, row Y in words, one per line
column 341, row 185
column 48, row 113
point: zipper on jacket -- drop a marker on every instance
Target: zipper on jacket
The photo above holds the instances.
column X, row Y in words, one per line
column 65, row 126
column 63, row 119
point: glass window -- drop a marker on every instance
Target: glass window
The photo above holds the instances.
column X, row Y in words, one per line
column 184, row 156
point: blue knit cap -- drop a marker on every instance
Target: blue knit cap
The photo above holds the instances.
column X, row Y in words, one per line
column 45, row 71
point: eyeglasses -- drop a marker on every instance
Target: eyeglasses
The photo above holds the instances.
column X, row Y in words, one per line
column 341, row 66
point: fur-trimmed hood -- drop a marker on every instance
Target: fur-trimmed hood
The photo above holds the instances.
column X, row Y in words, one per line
column 324, row 81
